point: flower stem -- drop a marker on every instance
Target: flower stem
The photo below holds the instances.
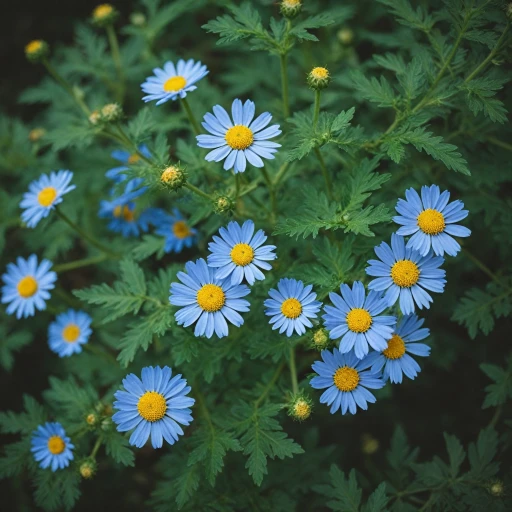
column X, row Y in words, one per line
column 317, row 108
column 269, row 386
column 484, row 268
column 195, row 126
column 500, row 143
column 325, row 173
column 96, row 447
column 64, row 267
column 116, row 57
column 85, row 235
column 197, row 191
column 293, row 371
column 284, row 84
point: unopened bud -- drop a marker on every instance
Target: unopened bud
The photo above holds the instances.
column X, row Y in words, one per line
column 290, row 8
column 300, row 407
column 95, row 117
column 497, row 488
column 138, row 19
column 369, row 445
column 104, row 14
column 224, row 204
column 88, row 469
column 320, row 339
column 346, row 36
column 319, row 78
column 111, row 113
column 36, row 134
column 173, row 177
column 37, row 50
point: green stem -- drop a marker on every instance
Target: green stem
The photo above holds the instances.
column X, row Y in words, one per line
column 64, row 267
column 272, row 193
column 484, row 268
column 269, row 386
column 195, row 126
column 500, row 143
column 197, row 191
column 325, row 173
column 237, row 185
column 85, row 235
column 116, row 57
column 282, row 171
column 293, row 372
column 317, row 108
column 284, row 84
column 96, row 447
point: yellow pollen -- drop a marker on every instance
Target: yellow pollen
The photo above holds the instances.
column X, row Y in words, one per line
column 396, row 348
column 70, row 333
column 239, row 137
column 211, row 298
column 180, row 229
column 47, row 196
column 128, row 215
column 291, row 308
column 34, row 46
column 346, row 379
column 27, row 287
column 431, row 222
column 133, row 159
column 359, row 320
column 302, row 409
column 291, row 3
column 152, row 406
column 405, row 273
column 319, row 73
column 242, row 254
column 175, row 83
column 102, row 10
column 56, row 445
column 169, row 174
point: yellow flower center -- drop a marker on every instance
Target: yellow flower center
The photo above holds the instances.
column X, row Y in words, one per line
column 239, row 137
column 431, row 222
column 180, row 229
column 242, row 254
column 128, row 215
column 175, row 83
column 405, row 273
column 36, row 134
column 34, row 46
column 291, row 3
column 102, row 10
column 302, row 410
column 27, row 287
column 56, row 445
column 319, row 73
column 169, row 174
column 320, row 337
column 359, row 320
column 47, row 196
column 134, row 158
column 70, row 333
column 396, row 348
column 211, row 298
column 346, row 379
column 291, row 308
column 152, row 406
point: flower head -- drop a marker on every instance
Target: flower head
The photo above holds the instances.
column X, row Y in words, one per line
column 27, row 286
column 292, row 306
column 127, row 159
column 356, row 319
column 43, row 195
column 36, row 134
column 240, row 140
column 431, row 221
column 111, row 112
column 405, row 274
column 207, row 300
column 173, row 82
column 124, row 218
column 88, row 468
column 69, row 332
column 104, row 15
column 223, row 204
column 290, row 8
column 155, row 405
column 37, row 50
column 320, row 339
column 395, row 359
column 319, row 78
column 173, row 177
column 346, row 381
column 239, row 253
column 300, row 407
column 178, row 234
column 51, row 446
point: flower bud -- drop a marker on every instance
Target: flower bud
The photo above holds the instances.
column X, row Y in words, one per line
column 88, row 468
column 345, row 36
column 369, row 445
column 290, row 8
column 497, row 488
column 320, row 339
column 104, row 15
column 300, row 407
column 111, row 113
column 106, row 424
column 223, row 204
column 319, row 78
column 138, row 19
column 95, row 117
column 91, row 419
column 173, row 177
column 37, row 50
column 36, row 134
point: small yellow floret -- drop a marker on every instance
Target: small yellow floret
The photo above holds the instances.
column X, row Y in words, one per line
column 346, row 379
column 169, row 174
column 56, row 445
column 405, row 273
column 47, row 196
column 319, row 73
column 301, row 410
column 291, row 3
column 36, row 134
column 211, row 298
column 242, row 254
column 239, row 137
column 33, row 46
column 128, row 215
column 291, row 308
column 175, row 83
column 431, row 222
column 102, row 11
column 70, row 333
column 180, row 229
column 396, row 348
column 152, row 406
column 359, row 320
column 27, row 287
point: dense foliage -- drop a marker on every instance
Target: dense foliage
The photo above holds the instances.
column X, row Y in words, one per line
column 405, row 94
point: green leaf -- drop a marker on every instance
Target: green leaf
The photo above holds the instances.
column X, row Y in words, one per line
column 456, row 454
column 142, row 125
column 406, row 15
column 501, row 390
column 342, row 120
column 376, row 91
column 133, row 276
column 345, row 494
column 300, row 30
column 118, row 448
column 378, row 500
column 25, row 422
column 479, row 97
column 149, row 246
column 481, row 455
column 10, row 344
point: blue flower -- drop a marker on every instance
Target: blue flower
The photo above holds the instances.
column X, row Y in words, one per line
column 208, row 300
column 44, row 194
column 172, row 82
column 178, row 234
column 237, row 253
column 126, row 158
column 126, row 218
column 155, row 405
column 69, row 332
column 240, row 140
column 355, row 319
column 291, row 306
column 396, row 359
column 27, row 286
column 51, row 446
column 405, row 273
column 346, row 381
column 432, row 220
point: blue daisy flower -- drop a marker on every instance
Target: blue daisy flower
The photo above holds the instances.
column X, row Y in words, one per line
column 346, row 381
column 241, row 140
column 178, row 234
column 208, row 300
column 291, row 306
column 406, row 274
column 126, row 218
column 126, row 158
column 51, row 446
column 69, row 332
column 356, row 319
column 155, row 405
column 237, row 253
column 396, row 359
column 27, row 286
column 173, row 82
column 431, row 220
column 43, row 195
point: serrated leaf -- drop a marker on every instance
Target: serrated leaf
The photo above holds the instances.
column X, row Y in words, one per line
column 456, row 454
column 133, row 276
column 118, row 448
